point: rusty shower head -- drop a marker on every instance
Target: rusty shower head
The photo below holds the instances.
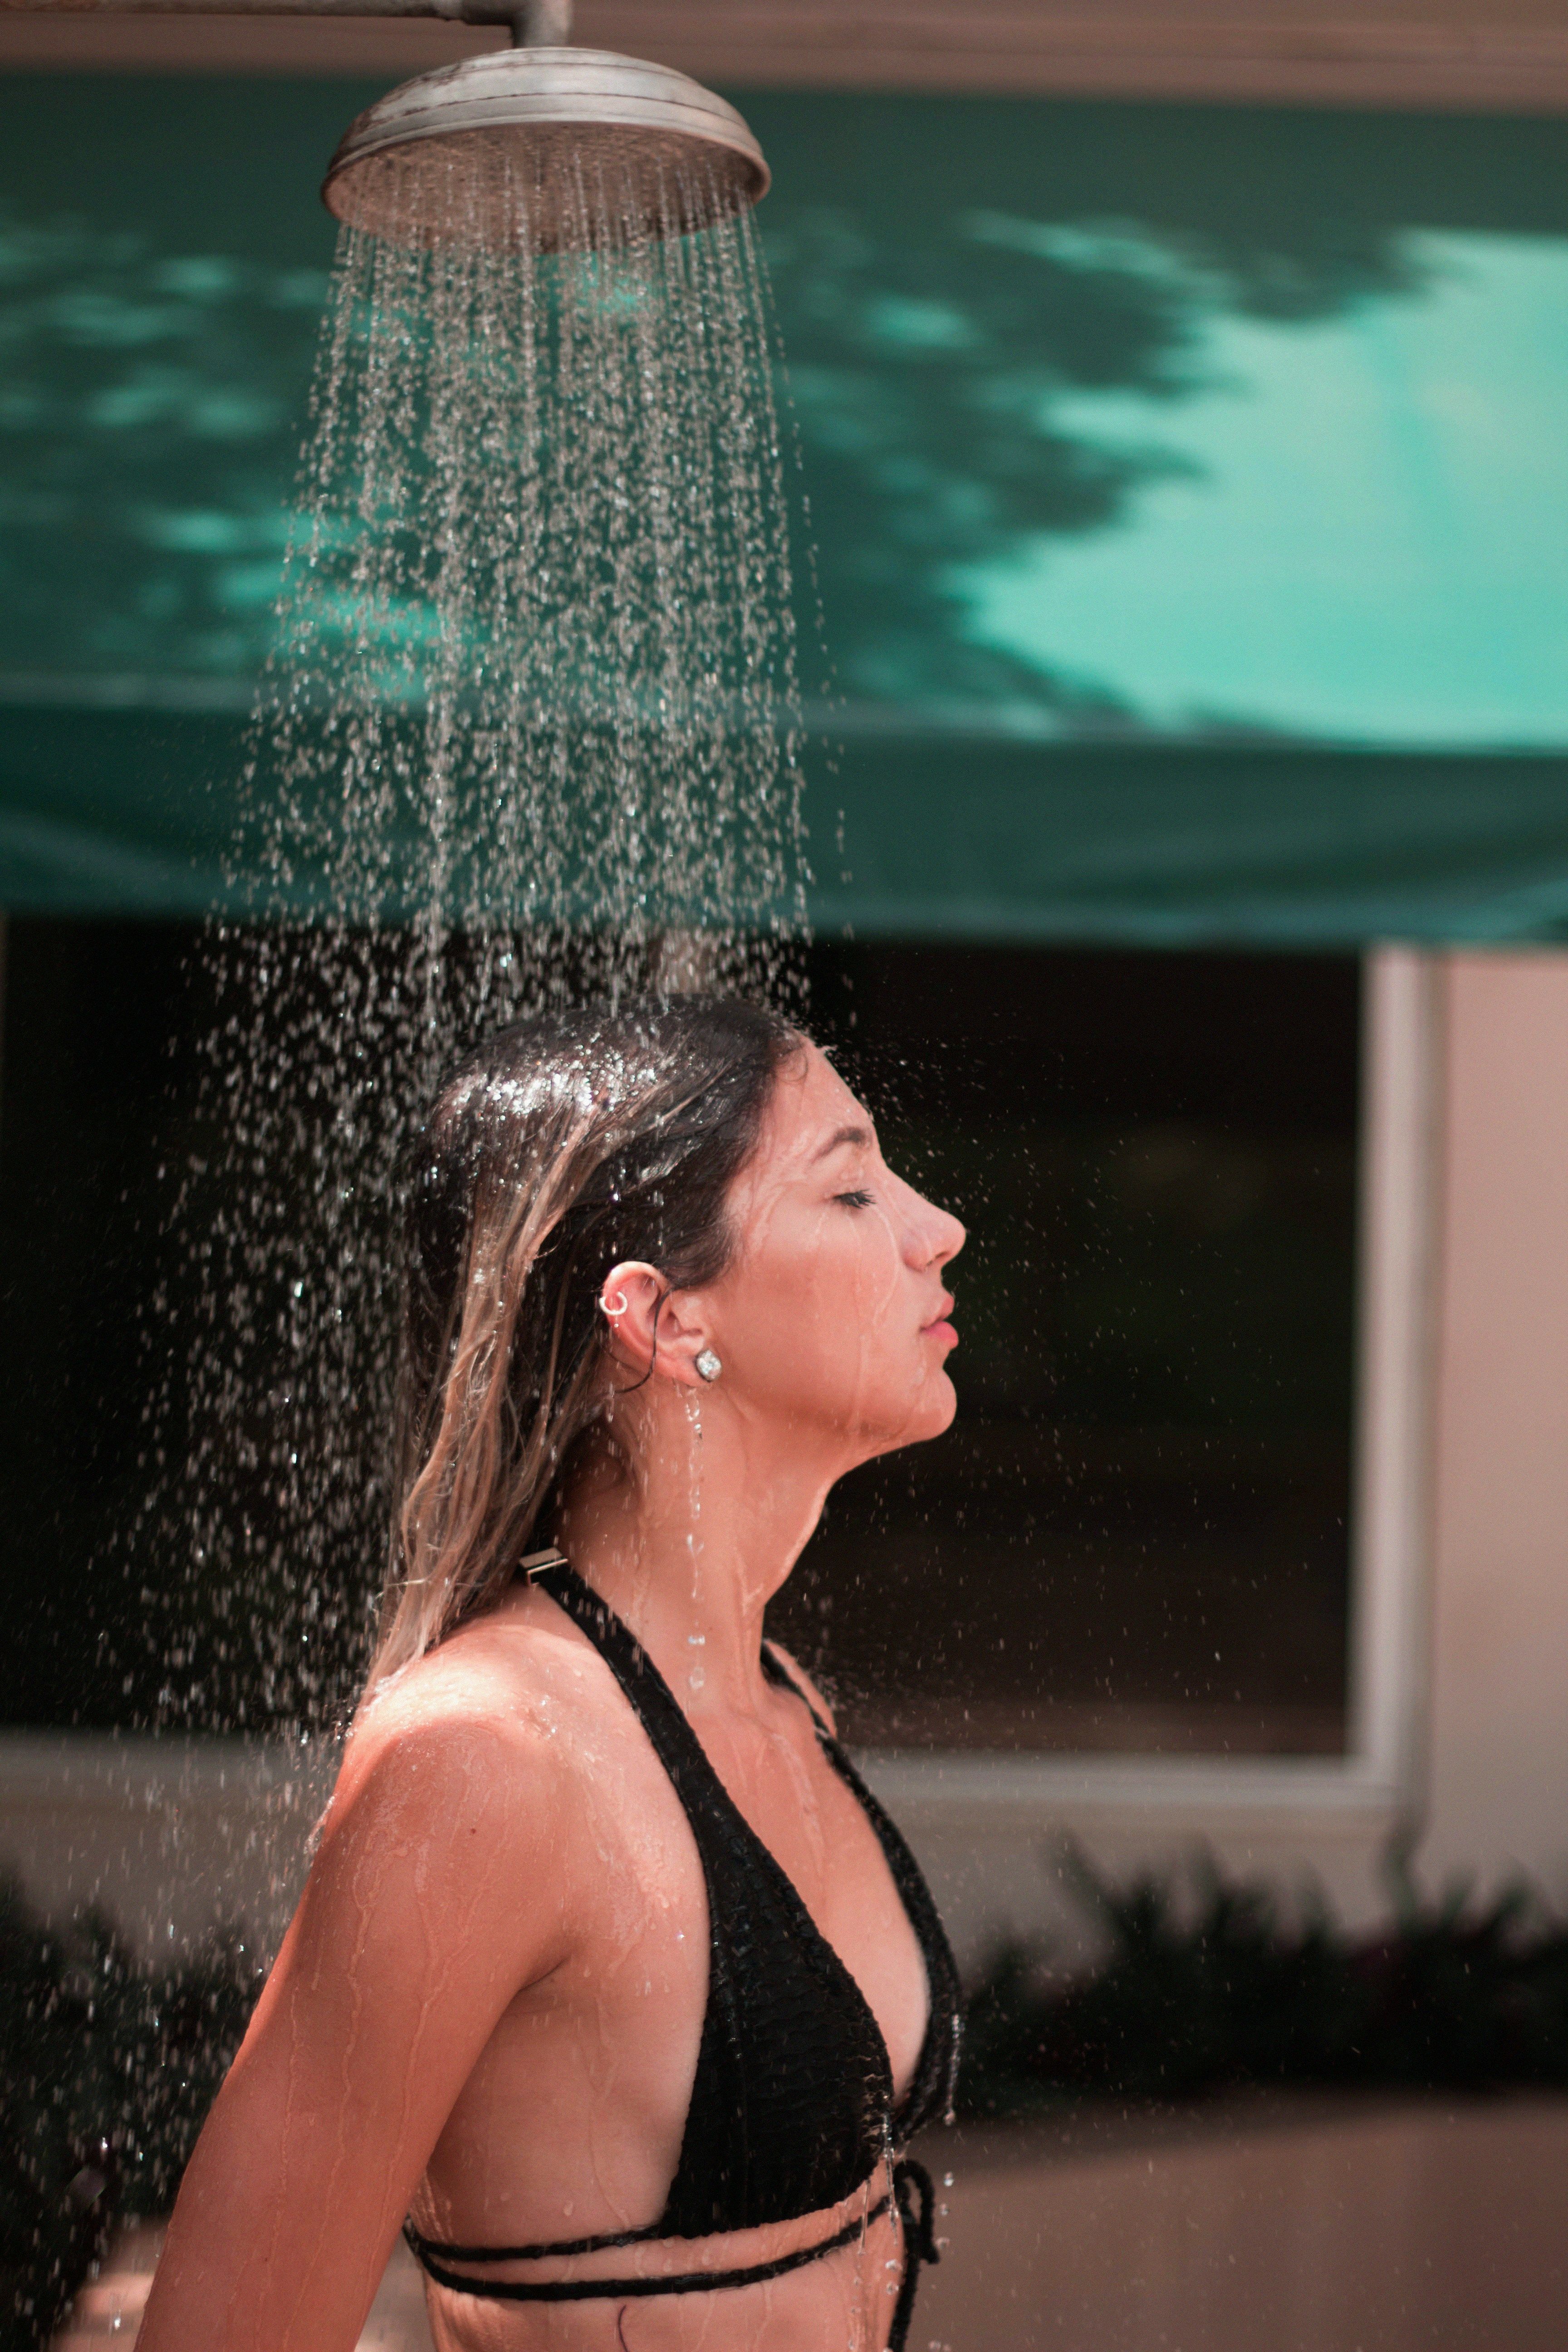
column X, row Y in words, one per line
column 559, row 148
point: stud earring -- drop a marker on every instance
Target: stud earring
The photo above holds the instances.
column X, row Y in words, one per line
column 709, row 1365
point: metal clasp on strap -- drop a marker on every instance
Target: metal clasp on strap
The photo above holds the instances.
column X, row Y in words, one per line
column 534, row 1563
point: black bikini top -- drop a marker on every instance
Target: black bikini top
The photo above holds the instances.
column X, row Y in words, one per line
column 793, row 2105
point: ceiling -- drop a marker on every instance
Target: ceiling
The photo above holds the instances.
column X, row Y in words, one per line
column 1471, row 54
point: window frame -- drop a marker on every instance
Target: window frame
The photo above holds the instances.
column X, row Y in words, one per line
column 1376, row 1786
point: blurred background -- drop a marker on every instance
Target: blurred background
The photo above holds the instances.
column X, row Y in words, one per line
column 1180, row 396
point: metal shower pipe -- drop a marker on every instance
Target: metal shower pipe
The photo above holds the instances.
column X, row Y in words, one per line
column 536, row 24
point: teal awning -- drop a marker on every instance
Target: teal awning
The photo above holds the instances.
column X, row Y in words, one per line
column 1189, row 486
column 126, row 811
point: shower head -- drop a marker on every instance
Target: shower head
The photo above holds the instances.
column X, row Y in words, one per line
column 556, row 149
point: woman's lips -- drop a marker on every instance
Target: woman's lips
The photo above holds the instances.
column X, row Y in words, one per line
column 939, row 1327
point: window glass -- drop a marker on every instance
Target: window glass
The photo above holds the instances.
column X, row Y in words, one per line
column 1135, row 1536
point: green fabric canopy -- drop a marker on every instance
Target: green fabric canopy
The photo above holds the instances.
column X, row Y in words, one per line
column 1188, row 489
column 127, row 811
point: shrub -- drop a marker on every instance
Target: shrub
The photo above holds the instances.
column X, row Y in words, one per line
column 1223, row 1991
column 107, row 2069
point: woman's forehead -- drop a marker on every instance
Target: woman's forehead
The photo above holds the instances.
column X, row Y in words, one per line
column 810, row 1104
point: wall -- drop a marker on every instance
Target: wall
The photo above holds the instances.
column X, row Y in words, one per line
column 1511, row 55
column 1497, row 1773
column 169, row 1837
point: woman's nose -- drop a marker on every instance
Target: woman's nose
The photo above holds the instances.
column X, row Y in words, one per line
column 950, row 1237
column 933, row 1235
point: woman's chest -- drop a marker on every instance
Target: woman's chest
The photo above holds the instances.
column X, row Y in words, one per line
column 686, row 1910
column 835, row 1911
column 762, row 1853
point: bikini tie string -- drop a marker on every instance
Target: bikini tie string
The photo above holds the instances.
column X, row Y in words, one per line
column 916, row 2202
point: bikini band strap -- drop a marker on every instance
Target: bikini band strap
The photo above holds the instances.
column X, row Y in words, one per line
column 599, row 2290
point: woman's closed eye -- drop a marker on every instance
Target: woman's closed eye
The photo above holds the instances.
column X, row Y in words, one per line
column 854, row 1200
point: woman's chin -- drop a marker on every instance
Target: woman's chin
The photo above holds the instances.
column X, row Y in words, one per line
column 930, row 1415
column 942, row 1403
column 914, row 1418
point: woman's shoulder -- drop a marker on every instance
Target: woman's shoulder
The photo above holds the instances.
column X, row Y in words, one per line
column 455, row 1816
column 476, row 1717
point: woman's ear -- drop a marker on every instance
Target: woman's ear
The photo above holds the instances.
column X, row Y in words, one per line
column 652, row 1328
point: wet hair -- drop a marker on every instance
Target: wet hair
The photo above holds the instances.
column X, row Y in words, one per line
column 563, row 1146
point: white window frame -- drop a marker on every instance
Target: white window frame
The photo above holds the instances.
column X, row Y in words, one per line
column 1376, row 1786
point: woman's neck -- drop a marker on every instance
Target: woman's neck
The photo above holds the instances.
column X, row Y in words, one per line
column 689, row 1546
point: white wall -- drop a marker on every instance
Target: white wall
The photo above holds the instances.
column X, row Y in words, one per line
column 169, row 1837
column 1497, row 1769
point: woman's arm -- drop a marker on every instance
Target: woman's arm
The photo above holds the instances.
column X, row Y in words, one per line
column 421, row 1921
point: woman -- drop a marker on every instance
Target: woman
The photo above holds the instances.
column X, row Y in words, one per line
column 609, row 1972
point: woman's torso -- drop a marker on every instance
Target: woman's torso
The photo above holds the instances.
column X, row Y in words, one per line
column 572, row 2123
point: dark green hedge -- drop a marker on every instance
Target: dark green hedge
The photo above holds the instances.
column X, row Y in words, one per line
column 107, row 2068
column 1212, row 1987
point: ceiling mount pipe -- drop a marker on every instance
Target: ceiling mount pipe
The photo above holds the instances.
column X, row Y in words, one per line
column 542, row 25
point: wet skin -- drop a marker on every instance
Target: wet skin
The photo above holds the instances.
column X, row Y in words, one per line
column 487, row 2008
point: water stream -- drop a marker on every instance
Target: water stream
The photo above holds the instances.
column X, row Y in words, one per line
column 531, row 731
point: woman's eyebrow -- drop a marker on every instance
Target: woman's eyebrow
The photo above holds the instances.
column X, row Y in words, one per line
column 861, row 1137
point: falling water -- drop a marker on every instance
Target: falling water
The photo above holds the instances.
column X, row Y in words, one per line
column 531, row 731
column 537, row 660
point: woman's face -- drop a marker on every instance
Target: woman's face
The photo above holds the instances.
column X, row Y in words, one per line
column 833, row 1315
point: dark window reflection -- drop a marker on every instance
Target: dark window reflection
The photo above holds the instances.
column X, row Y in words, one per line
column 1135, row 1538
column 95, row 1114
